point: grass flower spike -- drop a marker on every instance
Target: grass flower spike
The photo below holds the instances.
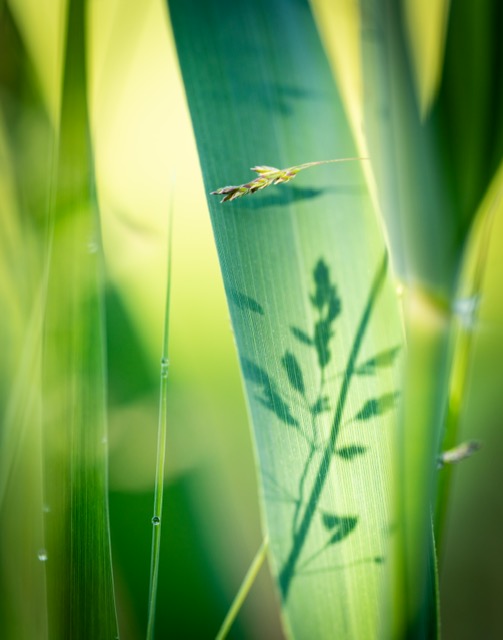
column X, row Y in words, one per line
column 268, row 176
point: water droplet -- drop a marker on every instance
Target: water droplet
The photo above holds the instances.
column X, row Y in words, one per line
column 164, row 367
column 42, row 555
column 156, row 520
column 104, row 440
column 46, row 508
column 92, row 246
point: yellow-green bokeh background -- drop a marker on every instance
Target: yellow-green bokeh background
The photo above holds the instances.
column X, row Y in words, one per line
column 145, row 156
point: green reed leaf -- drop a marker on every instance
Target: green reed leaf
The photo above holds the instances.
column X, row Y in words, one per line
column 311, row 255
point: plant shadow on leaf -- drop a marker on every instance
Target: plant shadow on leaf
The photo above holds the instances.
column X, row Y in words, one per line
column 300, row 402
column 244, row 302
column 270, row 395
column 285, row 96
column 350, row 452
column 339, row 526
column 286, row 194
column 276, row 97
column 381, row 360
column 377, row 406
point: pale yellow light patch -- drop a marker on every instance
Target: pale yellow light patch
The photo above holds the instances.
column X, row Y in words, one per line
column 427, row 26
column 146, row 158
column 425, row 312
column 145, row 149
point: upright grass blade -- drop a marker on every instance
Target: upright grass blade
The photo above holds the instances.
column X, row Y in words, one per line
column 314, row 313
column 161, row 446
column 79, row 574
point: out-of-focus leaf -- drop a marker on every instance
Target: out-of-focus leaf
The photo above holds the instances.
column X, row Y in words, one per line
column 80, row 591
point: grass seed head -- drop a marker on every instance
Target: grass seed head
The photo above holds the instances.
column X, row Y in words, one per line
column 266, row 177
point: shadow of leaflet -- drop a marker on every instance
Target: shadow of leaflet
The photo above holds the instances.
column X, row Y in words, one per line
column 327, row 307
column 270, row 396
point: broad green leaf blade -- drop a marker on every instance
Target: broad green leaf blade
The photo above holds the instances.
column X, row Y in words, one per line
column 79, row 573
column 260, row 92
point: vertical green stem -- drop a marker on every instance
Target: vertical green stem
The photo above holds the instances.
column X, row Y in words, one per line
column 161, row 447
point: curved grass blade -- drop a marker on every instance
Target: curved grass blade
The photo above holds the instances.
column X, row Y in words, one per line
column 311, row 256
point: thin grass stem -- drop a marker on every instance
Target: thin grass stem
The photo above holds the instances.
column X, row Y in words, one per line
column 244, row 589
column 161, row 445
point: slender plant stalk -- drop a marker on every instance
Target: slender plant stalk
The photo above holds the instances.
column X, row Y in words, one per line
column 161, row 446
column 268, row 176
column 244, row 589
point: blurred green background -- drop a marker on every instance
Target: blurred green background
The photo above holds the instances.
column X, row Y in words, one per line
column 144, row 153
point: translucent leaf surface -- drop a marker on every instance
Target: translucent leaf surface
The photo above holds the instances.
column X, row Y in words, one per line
column 311, row 257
